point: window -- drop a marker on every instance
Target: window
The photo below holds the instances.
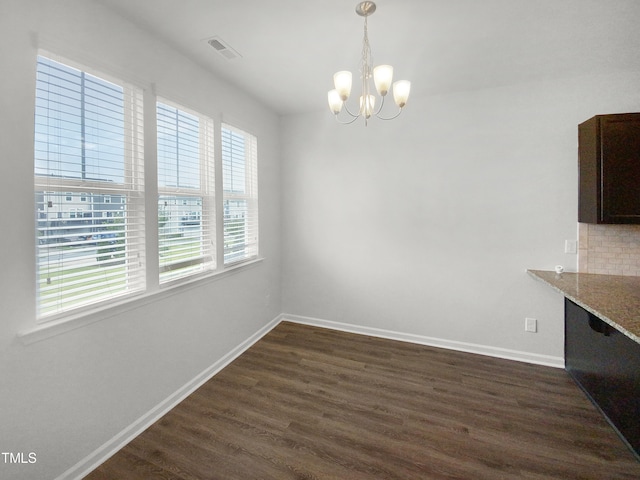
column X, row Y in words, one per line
column 88, row 152
column 240, row 194
column 186, row 214
column 90, row 197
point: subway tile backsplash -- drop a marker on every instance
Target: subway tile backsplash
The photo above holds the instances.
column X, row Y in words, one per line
column 609, row 249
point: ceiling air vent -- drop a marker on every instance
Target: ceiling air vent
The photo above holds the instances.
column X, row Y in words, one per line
column 223, row 49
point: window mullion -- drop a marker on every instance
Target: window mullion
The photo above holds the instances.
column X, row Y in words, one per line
column 219, row 194
column 151, row 196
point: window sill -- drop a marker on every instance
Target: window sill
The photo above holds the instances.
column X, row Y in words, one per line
column 73, row 321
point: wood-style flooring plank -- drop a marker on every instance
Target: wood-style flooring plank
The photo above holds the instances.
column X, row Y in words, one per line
column 311, row 403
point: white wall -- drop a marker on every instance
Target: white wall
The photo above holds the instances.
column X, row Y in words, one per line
column 425, row 225
column 65, row 396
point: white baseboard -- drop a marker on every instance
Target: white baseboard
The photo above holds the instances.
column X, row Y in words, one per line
column 99, row 456
column 527, row 357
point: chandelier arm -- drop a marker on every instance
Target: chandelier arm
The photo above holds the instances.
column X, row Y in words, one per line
column 390, row 118
column 377, row 114
column 346, row 107
column 349, row 122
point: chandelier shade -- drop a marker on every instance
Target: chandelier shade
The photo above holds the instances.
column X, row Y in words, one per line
column 343, row 81
column 335, row 102
column 382, row 76
column 367, row 106
column 401, row 90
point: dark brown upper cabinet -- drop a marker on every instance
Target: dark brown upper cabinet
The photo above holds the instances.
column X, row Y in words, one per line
column 609, row 169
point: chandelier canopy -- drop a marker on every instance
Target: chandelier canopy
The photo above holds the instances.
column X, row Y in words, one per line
column 382, row 78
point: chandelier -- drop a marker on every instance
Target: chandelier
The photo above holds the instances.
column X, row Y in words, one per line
column 382, row 78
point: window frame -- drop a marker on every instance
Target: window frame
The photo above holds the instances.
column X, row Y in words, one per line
column 144, row 201
column 131, row 187
column 251, row 243
column 206, row 262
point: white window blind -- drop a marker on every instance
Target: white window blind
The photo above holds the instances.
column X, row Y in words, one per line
column 88, row 188
column 240, row 195
column 186, row 213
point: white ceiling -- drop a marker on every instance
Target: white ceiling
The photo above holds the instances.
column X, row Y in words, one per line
column 291, row 48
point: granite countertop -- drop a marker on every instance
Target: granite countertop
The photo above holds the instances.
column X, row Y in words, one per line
column 613, row 298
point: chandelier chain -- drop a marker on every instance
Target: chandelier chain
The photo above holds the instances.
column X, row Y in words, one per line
column 366, row 53
column 366, row 68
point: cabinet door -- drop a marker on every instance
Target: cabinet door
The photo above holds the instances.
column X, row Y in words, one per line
column 620, row 154
column 606, row 365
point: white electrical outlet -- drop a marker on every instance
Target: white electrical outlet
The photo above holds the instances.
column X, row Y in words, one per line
column 570, row 246
column 530, row 325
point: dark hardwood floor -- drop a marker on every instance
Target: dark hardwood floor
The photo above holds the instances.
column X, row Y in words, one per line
column 310, row 403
